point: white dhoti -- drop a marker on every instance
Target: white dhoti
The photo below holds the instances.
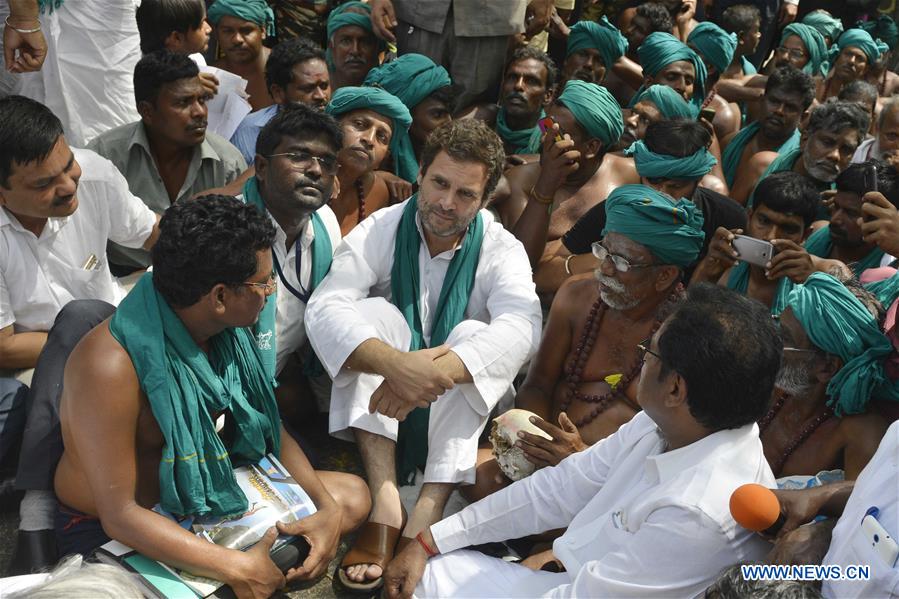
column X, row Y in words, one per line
column 466, row 573
column 456, row 419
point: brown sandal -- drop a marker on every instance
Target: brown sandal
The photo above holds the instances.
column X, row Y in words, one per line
column 375, row 545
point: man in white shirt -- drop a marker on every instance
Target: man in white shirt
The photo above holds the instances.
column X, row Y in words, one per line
column 54, row 252
column 428, row 303
column 646, row 509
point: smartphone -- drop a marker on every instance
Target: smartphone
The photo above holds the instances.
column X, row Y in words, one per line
column 752, row 250
column 870, row 183
column 707, row 114
column 546, row 124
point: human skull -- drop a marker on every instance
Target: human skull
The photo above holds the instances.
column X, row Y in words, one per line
column 504, row 434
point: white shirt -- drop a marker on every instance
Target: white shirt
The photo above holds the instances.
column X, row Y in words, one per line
column 640, row 522
column 40, row 275
column 503, row 296
column 289, row 313
column 876, row 486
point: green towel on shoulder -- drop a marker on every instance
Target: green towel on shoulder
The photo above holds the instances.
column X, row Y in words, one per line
column 738, row 280
column 730, row 160
column 523, row 141
column 819, row 244
column 185, row 387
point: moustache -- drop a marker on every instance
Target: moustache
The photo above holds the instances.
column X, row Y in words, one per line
column 198, row 124
column 584, row 75
column 363, row 150
column 515, row 96
column 63, row 200
column 304, row 182
column 610, row 283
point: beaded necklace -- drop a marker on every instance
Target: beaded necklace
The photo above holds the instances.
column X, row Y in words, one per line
column 801, row 438
column 360, row 195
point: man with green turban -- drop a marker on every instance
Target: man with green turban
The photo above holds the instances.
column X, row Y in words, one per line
column 834, row 354
column 668, row 61
column 852, row 58
column 715, row 46
column 655, row 103
column 424, row 87
column 803, row 47
column 373, row 123
column 824, row 23
column 352, row 46
column 240, row 28
column 593, row 47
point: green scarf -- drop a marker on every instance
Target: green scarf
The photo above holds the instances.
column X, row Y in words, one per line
column 660, row 49
column 347, row 99
column 784, row 162
column 748, row 67
column 185, row 387
column 886, row 290
column 256, row 11
column 670, row 229
column 837, row 322
column 861, row 39
column 662, row 166
column 602, row 36
column 730, row 160
column 595, row 110
column 715, row 44
column 738, row 280
column 412, row 439
column 670, row 103
column 523, row 141
column 824, row 23
column 814, row 45
column 322, row 254
column 342, row 16
column 819, row 244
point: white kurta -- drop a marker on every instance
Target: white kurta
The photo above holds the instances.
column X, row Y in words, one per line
column 640, row 522
column 876, row 486
column 500, row 332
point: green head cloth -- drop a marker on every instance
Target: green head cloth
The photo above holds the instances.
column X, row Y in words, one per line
column 595, row 109
column 861, row 39
column 602, row 36
column 345, row 15
column 411, row 78
column 715, row 44
column 883, row 27
column 670, row 103
column 347, row 99
column 256, row 11
column 660, row 49
column 662, row 166
column 670, row 229
column 814, row 45
column 824, row 23
column 836, row 322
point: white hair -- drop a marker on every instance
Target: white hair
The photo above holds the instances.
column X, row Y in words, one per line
column 72, row 579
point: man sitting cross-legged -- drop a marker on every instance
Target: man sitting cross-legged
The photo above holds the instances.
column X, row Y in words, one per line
column 586, row 366
column 428, row 303
column 145, row 395
column 645, row 510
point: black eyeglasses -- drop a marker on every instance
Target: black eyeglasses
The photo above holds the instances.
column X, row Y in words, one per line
column 304, row 159
column 620, row 263
column 792, row 52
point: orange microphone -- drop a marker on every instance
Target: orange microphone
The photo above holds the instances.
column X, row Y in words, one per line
column 756, row 508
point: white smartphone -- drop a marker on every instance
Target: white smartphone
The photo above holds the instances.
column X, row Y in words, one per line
column 880, row 540
column 752, row 250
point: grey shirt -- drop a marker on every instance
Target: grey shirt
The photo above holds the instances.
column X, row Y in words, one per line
column 215, row 163
column 471, row 18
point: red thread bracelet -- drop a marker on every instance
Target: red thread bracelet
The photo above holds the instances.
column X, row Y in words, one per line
column 425, row 546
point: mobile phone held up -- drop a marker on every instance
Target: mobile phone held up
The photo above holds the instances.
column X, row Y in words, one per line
column 752, row 250
column 546, row 124
column 707, row 114
column 870, row 184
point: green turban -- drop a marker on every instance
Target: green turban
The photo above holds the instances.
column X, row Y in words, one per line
column 824, row 23
column 256, row 11
column 347, row 99
column 884, row 27
column 342, row 16
column 814, row 45
column 595, row 109
column 715, row 44
column 660, row 49
column 662, row 166
column 670, row 229
column 411, row 78
column 670, row 103
column 861, row 39
column 838, row 323
column 602, row 36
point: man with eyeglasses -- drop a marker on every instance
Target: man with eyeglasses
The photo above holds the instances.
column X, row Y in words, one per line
column 801, row 47
column 820, row 417
column 167, row 156
column 174, row 377
column 585, row 374
column 645, row 511
column 296, row 164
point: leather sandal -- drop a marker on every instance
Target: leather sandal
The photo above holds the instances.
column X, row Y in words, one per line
column 375, row 545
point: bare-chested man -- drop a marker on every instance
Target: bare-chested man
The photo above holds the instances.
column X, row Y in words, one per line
column 668, row 61
column 833, row 366
column 859, row 52
column 373, row 122
column 575, row 171
column 636, row 24
column 240, row 29
column 716, row 49
column 744, row 21
column 788, row 94
column 352, row 46
column 592, row 51
column 586, row 366
column 144, row 391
